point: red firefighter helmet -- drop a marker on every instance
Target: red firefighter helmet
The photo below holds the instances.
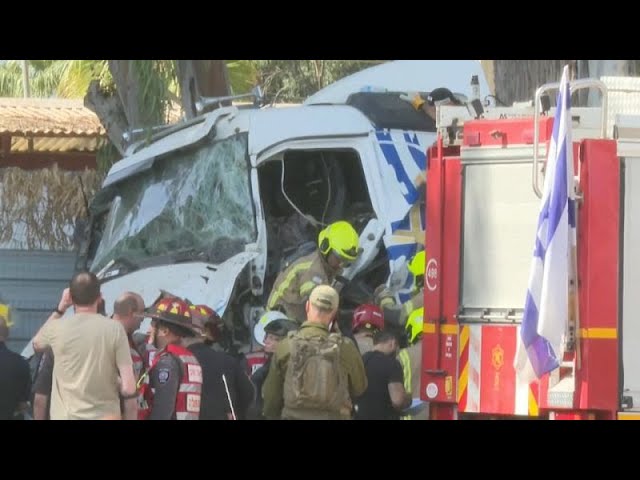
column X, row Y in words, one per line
column 367, row 316
column 174, row 311
column 210, row 319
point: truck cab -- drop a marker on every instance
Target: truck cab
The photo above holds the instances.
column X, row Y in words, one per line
column 213, row 209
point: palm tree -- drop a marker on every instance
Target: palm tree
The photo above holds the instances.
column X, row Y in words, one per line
column 51, row 78
column 71, row 78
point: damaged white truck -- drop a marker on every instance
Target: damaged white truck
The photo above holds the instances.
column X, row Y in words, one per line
column 214, row 208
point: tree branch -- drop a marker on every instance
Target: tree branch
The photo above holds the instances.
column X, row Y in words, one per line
column 109, row 110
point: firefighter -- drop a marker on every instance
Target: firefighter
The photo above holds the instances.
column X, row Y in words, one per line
column 437, row 97
column 338, row 246
column 175, row 376
column 213, row 326
column 227, row 392
column 417, row 268
column 269, row 331
column 257, row 358
column 411, row 359
column 385, row 298
column 367, row 320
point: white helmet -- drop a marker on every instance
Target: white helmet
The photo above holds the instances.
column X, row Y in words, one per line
column 266, row 319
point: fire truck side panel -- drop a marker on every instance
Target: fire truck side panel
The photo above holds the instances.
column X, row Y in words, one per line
column 498, row 378
column 440, row 340
column 488, row 382
column 450, row 332
column 631, row 279
column 500, row 218
column 433, row 283
column 598, row 244
column 505, row 132
column 481, row 206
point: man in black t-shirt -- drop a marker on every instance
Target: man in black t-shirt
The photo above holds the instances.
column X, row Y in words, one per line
column 15, row 380
column 42, row 386
column 385, row 396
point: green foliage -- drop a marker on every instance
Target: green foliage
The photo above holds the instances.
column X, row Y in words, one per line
column 295, row 80
column 282, row 80
column 243, row 75
column 78, row 74
column 52, row 78
column 156, row 78
column 10, row 79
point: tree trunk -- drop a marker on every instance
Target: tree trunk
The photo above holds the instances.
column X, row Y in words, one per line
column 128, row 89
column 517, row 80
column 201, row 78
column 212, row 78
column 109, row 110
column 122, row 110
column 188, row 90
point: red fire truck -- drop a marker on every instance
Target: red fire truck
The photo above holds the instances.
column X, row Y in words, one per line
column 484, row 177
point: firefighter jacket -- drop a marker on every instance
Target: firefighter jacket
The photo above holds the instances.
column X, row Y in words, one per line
column 411, row 359
column 176, row 384
column 293, row 286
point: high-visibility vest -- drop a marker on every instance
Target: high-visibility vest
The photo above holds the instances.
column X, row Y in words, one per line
column 187, row 406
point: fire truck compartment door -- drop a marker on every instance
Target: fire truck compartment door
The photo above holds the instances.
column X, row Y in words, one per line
column 500, row 219
column 631, row 281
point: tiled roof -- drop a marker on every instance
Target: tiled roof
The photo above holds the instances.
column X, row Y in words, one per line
column 44, row 116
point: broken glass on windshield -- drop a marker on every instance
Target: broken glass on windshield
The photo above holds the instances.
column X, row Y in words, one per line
column 197, row 200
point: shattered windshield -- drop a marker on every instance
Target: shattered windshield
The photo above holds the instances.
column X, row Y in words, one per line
column 196, row 200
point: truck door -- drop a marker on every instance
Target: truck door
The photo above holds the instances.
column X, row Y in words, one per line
column 307, row 184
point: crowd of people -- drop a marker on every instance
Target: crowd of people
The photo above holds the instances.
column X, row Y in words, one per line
column 305, row 366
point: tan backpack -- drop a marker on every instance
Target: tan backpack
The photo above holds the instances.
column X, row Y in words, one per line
column 314, row 379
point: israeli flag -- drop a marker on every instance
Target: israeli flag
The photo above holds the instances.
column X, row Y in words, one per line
column 544, row 324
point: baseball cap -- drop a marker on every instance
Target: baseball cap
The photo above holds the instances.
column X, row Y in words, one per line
column 324, row 296
column 442, row 96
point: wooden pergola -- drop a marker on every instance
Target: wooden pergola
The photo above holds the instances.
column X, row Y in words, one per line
column 37, row 133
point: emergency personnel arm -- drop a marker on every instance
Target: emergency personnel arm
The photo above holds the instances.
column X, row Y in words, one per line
column 165, row 380
column 416, row 301
column 130, row 409
column 40, row 403
column 400, row 398
column 42, row 339
column 124, row 364
column 355, row 368
column 306, row 288
column 42, row 386
column 274, row 383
